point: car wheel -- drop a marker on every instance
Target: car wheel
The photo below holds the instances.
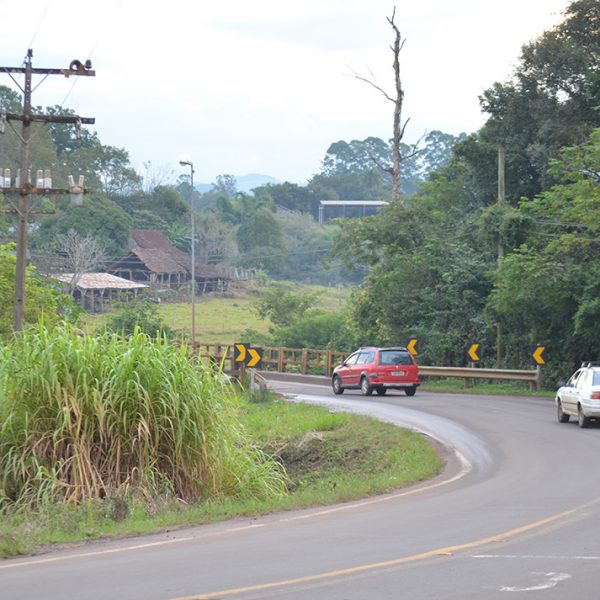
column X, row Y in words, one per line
column 365, row 388
column 411, row 391
column 381, row 391
column 582, row 420
column 563, row 417
column 336, row 384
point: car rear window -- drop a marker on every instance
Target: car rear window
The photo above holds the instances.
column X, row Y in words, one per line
column 395, row 357
column 596, row 380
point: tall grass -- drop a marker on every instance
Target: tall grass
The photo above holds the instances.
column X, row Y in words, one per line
column 84, row 417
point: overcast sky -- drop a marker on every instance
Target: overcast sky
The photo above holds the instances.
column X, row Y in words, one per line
column 265, row 86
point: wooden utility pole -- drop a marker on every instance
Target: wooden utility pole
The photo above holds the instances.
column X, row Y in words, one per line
column 23, row 186
column 501, row 201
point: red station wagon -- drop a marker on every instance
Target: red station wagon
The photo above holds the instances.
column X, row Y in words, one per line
column 378, row 369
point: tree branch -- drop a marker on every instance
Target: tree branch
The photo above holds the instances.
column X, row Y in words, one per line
column 372, row 84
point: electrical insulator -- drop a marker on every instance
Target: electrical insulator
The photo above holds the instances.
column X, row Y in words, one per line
column 47, row 179
column 39, row 179
column 6, row 182
column 76, row 191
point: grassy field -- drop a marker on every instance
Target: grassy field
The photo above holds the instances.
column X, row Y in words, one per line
column 223, row 318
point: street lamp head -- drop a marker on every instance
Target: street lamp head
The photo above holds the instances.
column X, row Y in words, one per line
column 186, row 163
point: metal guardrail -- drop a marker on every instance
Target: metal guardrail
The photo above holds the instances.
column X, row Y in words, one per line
column 534, row 378
column 322, row 362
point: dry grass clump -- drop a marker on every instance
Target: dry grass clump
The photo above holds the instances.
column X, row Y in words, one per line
column 86, row 417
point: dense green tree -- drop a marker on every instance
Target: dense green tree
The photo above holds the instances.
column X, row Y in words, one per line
column 283, row 308
column 241, row 208
column 97, row 216
column 223, row 188
column 308, row 249
column 42, row 299
column 550, row 102
column 356, row 156
column 427, row 272
column 546, row 290
column 163, row 202
column 261, row 242
column 291, row 196
column 316, row 329
column 215, row 240
column 80, row 152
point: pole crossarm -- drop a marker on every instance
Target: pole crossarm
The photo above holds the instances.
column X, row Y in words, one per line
column 80, row 71
column 50, row 119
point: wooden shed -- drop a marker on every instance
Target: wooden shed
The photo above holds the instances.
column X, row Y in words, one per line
column 152, row 259
column 94, row 290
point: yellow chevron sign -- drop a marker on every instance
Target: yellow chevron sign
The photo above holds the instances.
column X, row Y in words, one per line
column 472, row 352
column 255, row 356
column 239, row 351
column 244, row 353
column 412, row 347
column 538, row 355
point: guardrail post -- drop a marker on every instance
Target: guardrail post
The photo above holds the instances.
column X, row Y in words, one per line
column 469, row 382
column 538, row 377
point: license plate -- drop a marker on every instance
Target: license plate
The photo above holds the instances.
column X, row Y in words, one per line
column 398, row 373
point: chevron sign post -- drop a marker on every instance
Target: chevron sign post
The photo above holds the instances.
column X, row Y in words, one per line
column 247, row 355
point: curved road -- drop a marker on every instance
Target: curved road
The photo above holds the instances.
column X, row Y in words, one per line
column 513, row 515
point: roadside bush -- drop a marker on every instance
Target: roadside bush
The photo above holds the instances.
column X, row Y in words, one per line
column 85, row 417
column 314, row 330
column 138, row 313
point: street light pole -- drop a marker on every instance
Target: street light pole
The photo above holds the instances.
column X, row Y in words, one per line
column 190, row 164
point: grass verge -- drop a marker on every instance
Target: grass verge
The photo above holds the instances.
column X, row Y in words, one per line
column 457, row 385
column 329, row 457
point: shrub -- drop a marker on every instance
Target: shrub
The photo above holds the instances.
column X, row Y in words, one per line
column 85, row 417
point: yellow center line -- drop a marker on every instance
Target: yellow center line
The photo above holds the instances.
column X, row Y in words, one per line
column 445, row 551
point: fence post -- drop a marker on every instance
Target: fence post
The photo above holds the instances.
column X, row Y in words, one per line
column 233, row 364
column 304, row 361
column 538, row 377
column 280, row 360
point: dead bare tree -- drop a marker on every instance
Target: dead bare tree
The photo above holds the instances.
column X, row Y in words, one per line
column 71, row 253
column 398, row 100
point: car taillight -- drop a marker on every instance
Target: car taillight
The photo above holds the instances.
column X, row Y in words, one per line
column 595, row 396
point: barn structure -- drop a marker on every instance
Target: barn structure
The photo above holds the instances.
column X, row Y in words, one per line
column 153, row 260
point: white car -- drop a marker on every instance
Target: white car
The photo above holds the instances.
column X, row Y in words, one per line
column 580, row 396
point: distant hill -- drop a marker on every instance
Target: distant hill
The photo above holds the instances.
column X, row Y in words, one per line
column 245, row 183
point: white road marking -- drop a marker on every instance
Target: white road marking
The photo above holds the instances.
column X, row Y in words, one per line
column 39, row 561
column 553, row 579
column 536, row 556
column 464, row 469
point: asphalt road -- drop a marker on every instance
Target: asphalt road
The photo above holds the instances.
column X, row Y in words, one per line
column 512, row 516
